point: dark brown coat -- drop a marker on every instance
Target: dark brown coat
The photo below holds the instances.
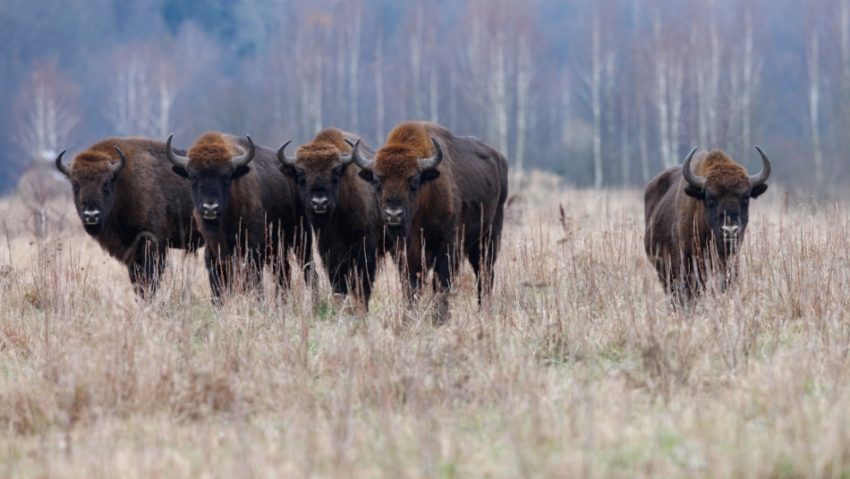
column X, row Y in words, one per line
column 341, row 208
column 443, row 194
column 134, row 206
column 245, row 208
column 696, row 223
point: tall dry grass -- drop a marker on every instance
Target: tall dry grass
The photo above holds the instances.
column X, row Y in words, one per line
column 578, row 369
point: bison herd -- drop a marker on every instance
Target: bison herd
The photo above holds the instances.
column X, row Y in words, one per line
column 427, row 197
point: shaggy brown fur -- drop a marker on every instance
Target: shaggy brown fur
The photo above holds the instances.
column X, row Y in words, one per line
column 347, row 223
column 456, row 209
column 212, row 151
column 144, row 208
column 261, row 218
column 682, row 230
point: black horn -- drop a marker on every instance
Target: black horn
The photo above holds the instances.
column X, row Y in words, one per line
column 694, row 180
column 173, row 157
column 362, row 162
column 433, row 161
column 61, row 166
column 281, row 155
column 761, row 177
column 245, row 158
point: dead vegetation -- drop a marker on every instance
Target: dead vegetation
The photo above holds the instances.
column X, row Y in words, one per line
column 578, row 369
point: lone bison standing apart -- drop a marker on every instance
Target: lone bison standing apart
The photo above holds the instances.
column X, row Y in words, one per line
column 696, row 217
column 245, row 207
column 441, row 195
column 132, row 205
column 342, row 209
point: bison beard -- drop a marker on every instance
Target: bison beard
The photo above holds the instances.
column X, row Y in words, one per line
column 342, row 210
column 132, row 205
column 442, row 197
column 696, row 218
column 248, row 212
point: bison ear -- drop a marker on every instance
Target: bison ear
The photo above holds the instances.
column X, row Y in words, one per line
column 288, row 170
column 693, row 192
column 366, row 175
column 180, row 171
column 241, row 171
column 430, row 175
column 758, row 190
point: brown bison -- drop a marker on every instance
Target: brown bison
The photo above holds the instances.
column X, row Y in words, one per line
column 132, row 205
column 342, row 209
column 246, row 209
column 441, row 195
column 696, row 217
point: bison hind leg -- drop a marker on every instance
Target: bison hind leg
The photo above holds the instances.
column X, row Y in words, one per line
column 482, row 258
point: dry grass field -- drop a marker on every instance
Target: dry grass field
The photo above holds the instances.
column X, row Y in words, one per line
column 578, row 369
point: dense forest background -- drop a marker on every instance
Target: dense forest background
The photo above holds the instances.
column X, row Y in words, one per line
column 603, row 92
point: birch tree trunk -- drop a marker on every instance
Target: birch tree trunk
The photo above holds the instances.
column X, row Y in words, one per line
column 661, row 96
column 523, row 93
column 814, row 102
column 380, row 113
column 355, row 23
column 596, row 102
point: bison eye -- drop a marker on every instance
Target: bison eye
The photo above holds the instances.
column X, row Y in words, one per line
column 413, row 183
column 75, row 187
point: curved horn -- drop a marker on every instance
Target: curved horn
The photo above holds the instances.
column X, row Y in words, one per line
column 122, row 160
column 362, row 162
column 244, row 159
column 694, row 180
column 281, row 155
column 349, row 158
column 61, row 166
column 432, row 162
column 759, row 179
column 174, row 158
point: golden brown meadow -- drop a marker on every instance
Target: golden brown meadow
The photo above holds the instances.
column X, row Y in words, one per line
column 578, row 368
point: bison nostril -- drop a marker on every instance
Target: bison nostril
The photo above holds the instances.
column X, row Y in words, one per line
column 320, row 202
column 91, row 217
column 209, row 210
column 394, row 215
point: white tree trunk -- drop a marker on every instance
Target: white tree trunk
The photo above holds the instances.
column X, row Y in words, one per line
column 643, row 143
column 356, row 25
column 380, row 113
column 747, row 83
column 596, row 101
column 814, row 103
column 676, row 87
column 661, row 99
column 523, row 94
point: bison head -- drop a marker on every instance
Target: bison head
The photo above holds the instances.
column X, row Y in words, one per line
column 211, row 167
column 92, row 177
column 318, row 169
column 725, row 192
column 397, row 173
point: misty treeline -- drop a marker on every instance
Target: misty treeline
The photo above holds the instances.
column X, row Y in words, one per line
column 604, row 92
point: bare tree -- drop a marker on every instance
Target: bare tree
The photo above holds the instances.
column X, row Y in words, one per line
column 142, row 91
column 47, row 114
column 596, row 99
column 813, row 66
column 524, row 72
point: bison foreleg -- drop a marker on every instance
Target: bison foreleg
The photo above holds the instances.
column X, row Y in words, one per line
column 146, row 269
column 219, row 276
column 442, row 286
